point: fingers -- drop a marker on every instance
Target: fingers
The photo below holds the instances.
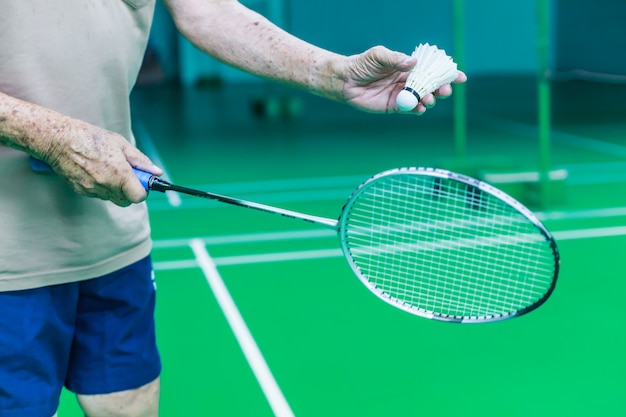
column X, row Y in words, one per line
column 425, row 103
column 461, row 78
column 428, row 100
column 131, row 187
column 391, row 59
column 115, row 180
column 116, row 184
column 445, row 91
column 140, row 161
column 98, row 163
column 119, row 201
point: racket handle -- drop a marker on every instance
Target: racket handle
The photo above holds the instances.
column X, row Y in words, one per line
column 38, row 165
column 148, row 180
column 143, row 177
column 151, row 181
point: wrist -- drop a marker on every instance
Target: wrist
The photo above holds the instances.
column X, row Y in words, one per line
column 328, row 76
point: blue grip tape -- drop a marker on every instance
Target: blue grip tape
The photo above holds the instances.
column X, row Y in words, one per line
column 143, row 177
column 38, row 165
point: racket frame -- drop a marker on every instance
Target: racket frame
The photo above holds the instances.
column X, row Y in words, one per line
column 477, row 184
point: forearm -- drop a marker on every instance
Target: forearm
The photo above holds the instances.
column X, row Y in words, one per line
column 244, row 39
column 28, row 127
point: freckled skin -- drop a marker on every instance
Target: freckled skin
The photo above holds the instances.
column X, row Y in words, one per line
column 94, row 161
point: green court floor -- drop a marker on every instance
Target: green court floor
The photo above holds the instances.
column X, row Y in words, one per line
column 259, row 315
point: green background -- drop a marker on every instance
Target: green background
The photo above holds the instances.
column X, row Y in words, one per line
column 332, row 347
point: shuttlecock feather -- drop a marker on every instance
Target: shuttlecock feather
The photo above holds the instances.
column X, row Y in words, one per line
column 433, row 69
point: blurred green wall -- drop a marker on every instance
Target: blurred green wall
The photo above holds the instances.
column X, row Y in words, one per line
column 500, row 37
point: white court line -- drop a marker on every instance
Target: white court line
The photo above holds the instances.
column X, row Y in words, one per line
column 581, row 214
column 278, row 257
column 589, row 233
column 581, row 74
column 247, row 238
column 557, row 136
column 560, row 236
column 558, row 215
column 142, row 133
column 251, row 351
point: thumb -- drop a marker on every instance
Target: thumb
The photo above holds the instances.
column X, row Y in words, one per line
column 383, row 57
column 393, row 59
column 139, row 160
column 406, row 62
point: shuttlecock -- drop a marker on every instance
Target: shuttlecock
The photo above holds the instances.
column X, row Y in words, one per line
column 433, row 69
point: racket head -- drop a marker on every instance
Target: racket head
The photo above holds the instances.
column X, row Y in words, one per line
column 448, row 247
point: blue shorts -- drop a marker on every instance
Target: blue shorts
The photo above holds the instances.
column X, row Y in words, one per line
column 94, row 337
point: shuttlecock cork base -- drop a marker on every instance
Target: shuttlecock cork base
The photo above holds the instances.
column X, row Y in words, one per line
column 434, row 68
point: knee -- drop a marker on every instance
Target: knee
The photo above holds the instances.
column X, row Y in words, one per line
column 139, row 402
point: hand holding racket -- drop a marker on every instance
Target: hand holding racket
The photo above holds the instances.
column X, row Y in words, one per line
column 435, row 243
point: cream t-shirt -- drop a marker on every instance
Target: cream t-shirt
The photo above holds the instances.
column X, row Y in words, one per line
column 80, row 58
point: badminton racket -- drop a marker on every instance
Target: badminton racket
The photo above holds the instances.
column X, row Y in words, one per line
column 434, row 243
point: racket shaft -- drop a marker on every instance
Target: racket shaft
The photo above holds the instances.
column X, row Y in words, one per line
column 152, row 182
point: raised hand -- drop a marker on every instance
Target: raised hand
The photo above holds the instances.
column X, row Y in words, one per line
column 374, row 78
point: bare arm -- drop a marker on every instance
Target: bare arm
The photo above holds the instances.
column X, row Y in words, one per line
column 241, row 37
column 227, row 30
column 95, row 161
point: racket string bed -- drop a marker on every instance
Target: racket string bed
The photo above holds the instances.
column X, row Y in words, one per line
column 449, row 247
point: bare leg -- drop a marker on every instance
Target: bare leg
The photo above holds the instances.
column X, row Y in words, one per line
column 139, row 402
